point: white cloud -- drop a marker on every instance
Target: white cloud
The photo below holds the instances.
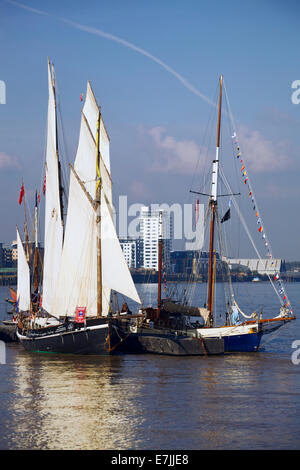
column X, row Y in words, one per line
column 262, row 154
column 185, row 157
column 173, row 155
column 6, row 161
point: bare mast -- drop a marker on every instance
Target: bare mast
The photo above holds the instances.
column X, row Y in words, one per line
column 213, row 208
column 159, row 262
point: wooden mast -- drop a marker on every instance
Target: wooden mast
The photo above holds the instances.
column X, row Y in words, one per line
column 25, row 226
column 98, row 200
column 36, row 249
column 57, row 153
column 159, row 262
column 213, row 206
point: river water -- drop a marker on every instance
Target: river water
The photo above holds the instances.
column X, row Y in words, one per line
column 141, row 402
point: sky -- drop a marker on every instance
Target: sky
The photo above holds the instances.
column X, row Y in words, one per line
column 155, row 67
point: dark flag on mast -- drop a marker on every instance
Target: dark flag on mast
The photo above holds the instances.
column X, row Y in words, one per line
column 226, row 216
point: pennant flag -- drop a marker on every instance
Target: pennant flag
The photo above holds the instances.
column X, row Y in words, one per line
column 243, row 167
column 260, row 229
column 36, row 199
column 22, row 194
column 226, row 216
column 81, row 97
column 44, row 185
column 39, row 198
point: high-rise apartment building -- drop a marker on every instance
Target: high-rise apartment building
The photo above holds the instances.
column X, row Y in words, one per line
column 149, row 234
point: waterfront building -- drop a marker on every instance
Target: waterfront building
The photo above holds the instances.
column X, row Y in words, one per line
column 129, row 249
column 261, row 266
column 192, row 262
column 149, row 234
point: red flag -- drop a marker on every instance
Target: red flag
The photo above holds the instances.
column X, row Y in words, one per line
column 22, row 194
column 81, row 97
column 80, row 314
column 44, row 185
column 39, row 198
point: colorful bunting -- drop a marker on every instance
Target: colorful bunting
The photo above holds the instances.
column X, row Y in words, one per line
column 281, row 289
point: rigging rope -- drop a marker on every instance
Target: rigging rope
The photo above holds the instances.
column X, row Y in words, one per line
column 280, row 292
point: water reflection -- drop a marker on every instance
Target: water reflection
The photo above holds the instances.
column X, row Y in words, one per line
column 70, row 403
column 239, row 401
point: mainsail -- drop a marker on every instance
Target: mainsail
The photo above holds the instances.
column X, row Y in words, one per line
column 77, row 281
column 53, row 216
column 23, row 287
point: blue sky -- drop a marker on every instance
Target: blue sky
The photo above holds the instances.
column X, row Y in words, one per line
column 155, row 122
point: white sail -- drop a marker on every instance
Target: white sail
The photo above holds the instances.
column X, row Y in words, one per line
column 115, row 271
column 85, row 165
column 85, row 162
column 90, row 111
column 53, row 220
column 23, row 287
column 77, row 280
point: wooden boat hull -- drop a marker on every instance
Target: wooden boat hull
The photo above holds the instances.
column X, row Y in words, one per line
column 238, row 338
column 242, row 343
column 245, row 337
column 156, row 341
column 8, row 333
column 96, row 338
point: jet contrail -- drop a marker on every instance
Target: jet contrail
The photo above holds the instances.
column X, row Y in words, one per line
column 111, row 37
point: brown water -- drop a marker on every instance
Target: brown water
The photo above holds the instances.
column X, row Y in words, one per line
column 240, row 401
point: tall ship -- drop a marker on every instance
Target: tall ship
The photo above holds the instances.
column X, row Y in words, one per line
column 240, row 331
column 83, row 260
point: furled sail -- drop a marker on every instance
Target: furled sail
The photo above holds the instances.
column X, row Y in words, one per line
column 53, row 217
column 23, row 287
